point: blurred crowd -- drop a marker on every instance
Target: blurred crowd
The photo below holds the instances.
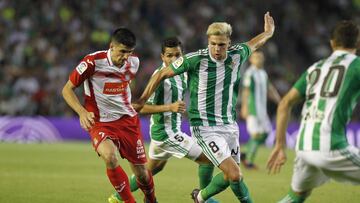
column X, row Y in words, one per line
column 42, row 41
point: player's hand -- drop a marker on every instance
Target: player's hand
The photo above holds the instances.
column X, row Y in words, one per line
column 178, row 107
column 87, row 120
column 276, row 160
column 138, row 105
column 269, row 25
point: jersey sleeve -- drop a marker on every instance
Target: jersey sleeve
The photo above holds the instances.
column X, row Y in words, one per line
column 180, row 65
column 300, row 85
column 244, row 51
column 84, row 70
column 134, row 64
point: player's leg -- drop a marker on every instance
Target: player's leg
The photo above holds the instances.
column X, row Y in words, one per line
column 215, row 146
column 252, row 147
column 257, row 129
column 305, row 178
column 117, row 176
column 233, row 174
column 156, row 163
column 205, row 169
column 144, row 181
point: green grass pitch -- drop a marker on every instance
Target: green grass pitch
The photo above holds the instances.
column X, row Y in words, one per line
column 72, row 173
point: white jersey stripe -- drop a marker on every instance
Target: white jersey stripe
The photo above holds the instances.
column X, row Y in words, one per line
column 203, row 72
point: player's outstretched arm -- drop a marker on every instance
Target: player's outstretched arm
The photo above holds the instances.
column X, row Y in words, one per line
column 277, row 157
column 152, row 85
column 273, row 93
column 259, row 40
column 86, row 118
column 176, row 107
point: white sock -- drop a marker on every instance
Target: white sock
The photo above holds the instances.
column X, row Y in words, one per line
column 199, row 197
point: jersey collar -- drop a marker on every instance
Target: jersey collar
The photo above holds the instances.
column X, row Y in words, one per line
column 340, row 52
column 108, row 55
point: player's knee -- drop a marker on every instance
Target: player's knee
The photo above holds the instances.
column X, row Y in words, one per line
column 234, row 175
column 111, row 160
column 142, row 175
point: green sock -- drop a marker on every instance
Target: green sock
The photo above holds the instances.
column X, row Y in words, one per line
column 253, row 146
column 293, row 198
column 251, row 149
column 217, row 184
column 241, row 191
column 205, row 173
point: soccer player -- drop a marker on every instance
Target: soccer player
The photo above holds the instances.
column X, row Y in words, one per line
column 256, row 88
column 331, row 89
column 107, row 114
column 214, row 76
column 167, row 139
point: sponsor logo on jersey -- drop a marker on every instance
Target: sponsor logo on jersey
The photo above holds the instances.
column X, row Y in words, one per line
column 114, row 88
column 178, row 62
column 81, row 68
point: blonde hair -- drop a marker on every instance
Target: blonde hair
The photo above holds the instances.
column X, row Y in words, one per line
column 219, row 28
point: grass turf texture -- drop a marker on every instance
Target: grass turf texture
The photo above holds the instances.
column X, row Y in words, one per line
column 72, row 173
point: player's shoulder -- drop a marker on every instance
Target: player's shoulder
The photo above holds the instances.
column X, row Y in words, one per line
column 202, row 53
column 238, row 46
column 134, row 59
column 97, row 55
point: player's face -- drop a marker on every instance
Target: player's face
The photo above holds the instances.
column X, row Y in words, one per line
column 218, row 45
column 171, row 54
column 257, row 59
column 119, row 53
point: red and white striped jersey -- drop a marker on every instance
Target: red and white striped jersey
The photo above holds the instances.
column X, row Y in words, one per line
column 106, row 86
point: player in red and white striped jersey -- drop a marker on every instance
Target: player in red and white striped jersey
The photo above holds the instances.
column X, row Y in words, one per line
column 107, row 114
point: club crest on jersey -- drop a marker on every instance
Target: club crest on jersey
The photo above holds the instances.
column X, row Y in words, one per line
column 81, row 68
column 178, row 62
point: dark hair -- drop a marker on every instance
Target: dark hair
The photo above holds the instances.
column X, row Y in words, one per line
column 124, row 36
column 345, row 34
column 170, row 42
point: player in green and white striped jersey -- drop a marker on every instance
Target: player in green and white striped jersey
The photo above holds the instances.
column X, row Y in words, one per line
column 167, row 139
column 256, row 89
column 331, row 88
column 214, row 80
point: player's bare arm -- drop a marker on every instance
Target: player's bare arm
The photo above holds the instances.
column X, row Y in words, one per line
column 86, row 118
column 259, row 40
column 274, row 94
column 152, row 85
column 176, row 107
column 244, row 102
column 277, row 157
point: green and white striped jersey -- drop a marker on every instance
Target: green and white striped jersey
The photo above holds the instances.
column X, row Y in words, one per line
column 331, row 88
column 257, row 81
column 213, row 84
column 169, row 91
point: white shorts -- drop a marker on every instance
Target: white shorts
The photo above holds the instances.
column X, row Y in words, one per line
column 218, row 142
column 178, row 145
column 255, row 125
column 314, row 168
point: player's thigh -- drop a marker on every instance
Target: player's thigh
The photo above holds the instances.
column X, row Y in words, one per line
column 305, row 176
column 215, row 143
column 345, row 166
column 156, row 151
column 180, row 145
